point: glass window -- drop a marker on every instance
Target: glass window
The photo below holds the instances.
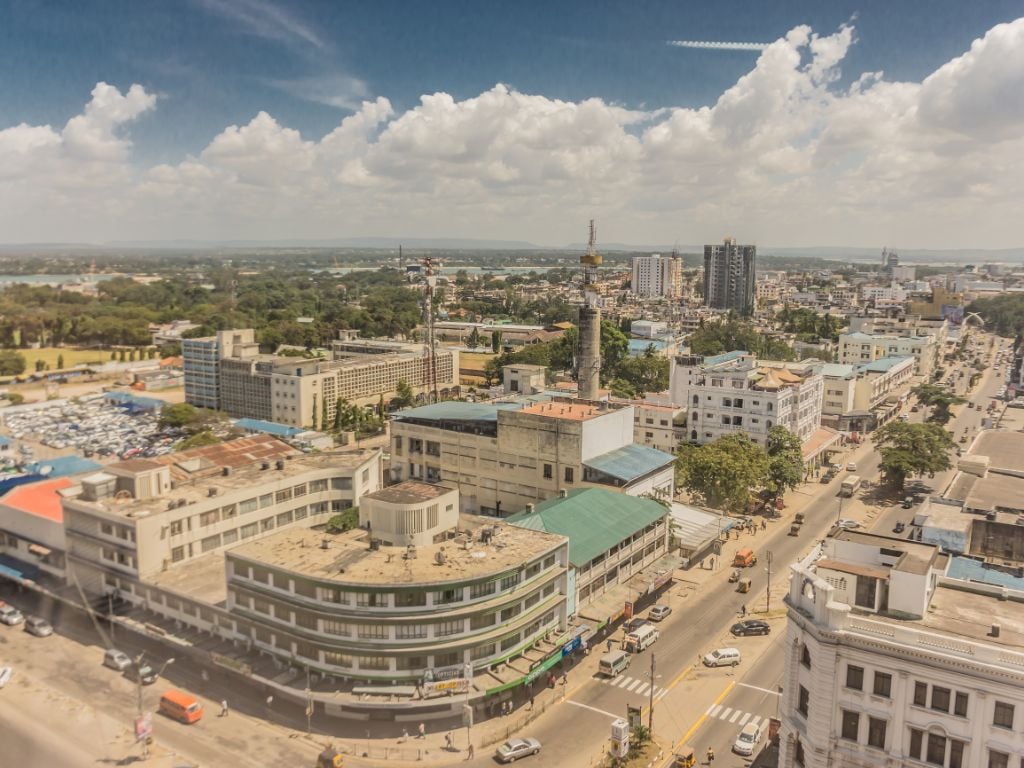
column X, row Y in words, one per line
column 805, row 657
column 332, row 627
column 921, row 694
column 876, row 732
column 447, row 596
column 341, row 483
column 446, row 628
column 266, row 500
column 883, row 684
column 916, row 742
column 803, row 701
column 960, row 705
column 956, row 753
column 855, row 677
column 482, row 590
column 568, row 474
column 1003, row 716
column 370, row 600
column 210, row 543
column 940, row 698
column 373, row 662
column 547, row 471
column 998, row 759
column 284, row 494
column 935, row 752
column 373, row 631
column 410, row 599
column 249, row 505
column 851, row 725
column 410, row 631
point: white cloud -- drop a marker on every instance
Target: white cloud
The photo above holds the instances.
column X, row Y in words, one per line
column 782, row 156
column 266, row 20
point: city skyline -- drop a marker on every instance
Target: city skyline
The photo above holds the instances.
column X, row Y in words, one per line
column 249, row 120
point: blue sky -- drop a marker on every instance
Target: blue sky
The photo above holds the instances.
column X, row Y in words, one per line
column 211, row 64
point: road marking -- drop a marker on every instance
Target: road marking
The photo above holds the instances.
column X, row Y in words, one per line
column 762, row 690
column 714, row 710
column 612, row 715
column 700, row 720
column 633, row 685
column 743, row 720
column 661, row 694
column 642, row 690
column 724, row 713
column 735, row 715
column 756, row 720
column 622, row 681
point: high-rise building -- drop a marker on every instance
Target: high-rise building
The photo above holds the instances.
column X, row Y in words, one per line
column 729, row 276
column 658, row 275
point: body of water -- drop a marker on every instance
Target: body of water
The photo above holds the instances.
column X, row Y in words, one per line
column 54, row 279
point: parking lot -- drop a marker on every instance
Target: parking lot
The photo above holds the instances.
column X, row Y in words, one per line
column 91, row 428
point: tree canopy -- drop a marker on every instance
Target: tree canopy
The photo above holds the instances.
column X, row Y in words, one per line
column 939, row 399
column 785, row 461
column 801, row 320
column 735, row 334
column 1003, row 315
column 723, row 473
column 912, row 449
column 11, row 363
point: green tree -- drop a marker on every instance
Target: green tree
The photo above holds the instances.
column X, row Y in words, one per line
column 938, row 399
column 40, row 365
column 785, row 461
column 722, row 474
column 647, row 372
column 178, row 415
column 495, row 341
column 60, row 361
column 734, row 334
column 474, row 338
column 345, row 521
column 198, row 440
column 11, row 363
column 912, row 449
column 404, row 396
column 323, row 414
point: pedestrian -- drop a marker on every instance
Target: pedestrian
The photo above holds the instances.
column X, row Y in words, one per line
column 448, row 741
column 470, row 753
column 422, row 734
column 743, row 610
column 710, row 755
column 712, row 563
column 764, row 525
column 270, row 700
column 609, row 648
column 223, row 707
column 531, row 702
column 405, row 736
column 565, row 678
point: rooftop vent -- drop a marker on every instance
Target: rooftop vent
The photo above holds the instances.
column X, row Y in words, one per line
column 325, row 544
column 994, row 631
column 226, row 471
column 562, row 493
column 211, row 491
column 265, row 465
column 279, row 464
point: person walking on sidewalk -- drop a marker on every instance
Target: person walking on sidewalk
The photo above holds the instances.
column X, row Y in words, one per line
column 223, row 707
column 743, row 611
column 710, row 755
column 470, row 753
column 422, row 733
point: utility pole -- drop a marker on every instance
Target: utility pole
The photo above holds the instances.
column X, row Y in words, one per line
column 650, row 703
column 768, row 589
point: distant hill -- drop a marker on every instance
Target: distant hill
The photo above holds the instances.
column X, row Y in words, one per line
column 448, row 243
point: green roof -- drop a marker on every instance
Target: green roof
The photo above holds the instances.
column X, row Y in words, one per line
column 593, row 519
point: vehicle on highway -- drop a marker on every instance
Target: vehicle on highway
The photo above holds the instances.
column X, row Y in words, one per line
column 734, row 576
column 794, row 529
column 37, row 626
column 614, row 662
column 146, row 674
column 642, row 639
column 116, row 659
column 851, row 466
column 908, row 502
column 899, row 527
column 181, row 706
column 684, row 757
column 722, row 657
column 847, row 524
column 850, row 485
column 5, row 675
column 659, row 612
column 743, row 585
column 513, row 749
column 10, row 615
column 747, row 741
column 750, row 627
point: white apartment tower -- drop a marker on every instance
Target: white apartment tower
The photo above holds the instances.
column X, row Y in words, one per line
column 658, row 276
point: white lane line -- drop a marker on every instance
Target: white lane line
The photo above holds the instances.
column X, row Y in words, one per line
column 633, row 685
column 762, row 690
column 612, row 715
column 725, row 713
column 714, row 710
column 642, row 690
column 735, row 715
column 622, row 681
column 743, row 720
column 756, row 720
column 660, row 695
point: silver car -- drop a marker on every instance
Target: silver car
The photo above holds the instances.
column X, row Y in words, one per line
column 38, row 627
column 513, row 749
column 10, row 615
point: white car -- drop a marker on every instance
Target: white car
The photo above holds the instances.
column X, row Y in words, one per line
column 847, row 524
column 722, row 657
column 10, row 615
column 748, row 740
column 5, row 675
column 515, row 748
column 851, row 467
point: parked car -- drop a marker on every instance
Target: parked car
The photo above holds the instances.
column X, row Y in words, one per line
column 750, row 627
column 748, row 739
column 847, row 524
column 851, row 466
column 145, row 673
column 34, row 625
column 515, row 748
column 659, row 612
column 899, row 528
column 634, row 624
column 10, row 615
column 116, row 659
column 5, row 675
column 722, row 657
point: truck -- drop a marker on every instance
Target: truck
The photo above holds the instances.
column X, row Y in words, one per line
column 850, row 485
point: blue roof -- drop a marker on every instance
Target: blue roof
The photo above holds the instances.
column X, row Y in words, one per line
column 63, row 466
column 639, row 346
column 454, row 410
column 882, row 364
column 136, row 401
column 725, row 357
column 858, row 336
column 836, row 370
column 970, row 569
column 630, row 462
column 270, row 427
column 5, row 440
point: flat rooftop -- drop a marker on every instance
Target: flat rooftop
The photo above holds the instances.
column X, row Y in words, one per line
column 348, row 559
column 246, row 477
column 915, row 558
column 566, row 410
column 1004, row 449
column 971, row 614
column 201, row 578
column 409, row 492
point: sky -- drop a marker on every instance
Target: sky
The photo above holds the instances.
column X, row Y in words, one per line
column 786, row 123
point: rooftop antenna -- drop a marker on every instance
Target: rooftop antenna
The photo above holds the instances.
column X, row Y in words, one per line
column 428, row 310
column 401, row 259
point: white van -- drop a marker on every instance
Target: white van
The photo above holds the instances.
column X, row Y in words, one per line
column 643, row 638
column 613, row 663
column 748, row 739
column 722, row 657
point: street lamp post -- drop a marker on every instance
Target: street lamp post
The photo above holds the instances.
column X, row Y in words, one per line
column 138, row 689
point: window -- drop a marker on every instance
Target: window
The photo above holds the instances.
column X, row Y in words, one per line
column 370, row 600
column 266, row 500
column 940, row 699
column 803, row 701
column 805, row 657
column 175, row 527
column 855, row 677
column 509, row 582
column 374, row 662
column 921, row 694
column 336, row 628
column 851, row 725
column 226, row 513
column 410, row 599
column 547, row 471
column 446, row 628
column 372, row 632
column 876, row 732
column 960, row 705
column 883, row 684
column 210, row 543
column 177, row 554
column 248, row 531
column 1003, row 716
column 998, row 759
column 568, row 474
column 283, row 495
column 411, row 632
column 477, row 591
column 299, row 490
column 507, row 614
column 447, row 596
column 798, row 753
column 956, row 753
column 366, row 476
column 341, row 483
column 317, row 486
column 935, row 752
column 916, row 742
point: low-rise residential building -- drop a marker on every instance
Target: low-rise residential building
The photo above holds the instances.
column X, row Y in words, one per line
column 657, row 424
column 505, row 455
column 734, row 392
column 522, row 379
column 857, row 348
column 32, row 540
column 858, row 398
column 890, row 661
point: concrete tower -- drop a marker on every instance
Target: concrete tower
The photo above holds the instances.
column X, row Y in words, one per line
column 588, row 374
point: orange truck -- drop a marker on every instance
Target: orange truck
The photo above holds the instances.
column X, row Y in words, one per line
column 745, row 558
column 180, row 706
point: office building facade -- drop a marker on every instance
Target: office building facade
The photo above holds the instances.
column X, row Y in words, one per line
column 729, row 276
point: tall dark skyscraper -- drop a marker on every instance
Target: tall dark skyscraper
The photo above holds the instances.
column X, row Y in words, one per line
column 729, row 276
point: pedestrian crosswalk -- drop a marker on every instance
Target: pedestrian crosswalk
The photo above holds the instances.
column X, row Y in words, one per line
column 736, row 716
column 635, row 685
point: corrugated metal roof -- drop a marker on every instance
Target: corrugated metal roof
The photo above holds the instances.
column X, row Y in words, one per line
column 836, row 370
column 630, row 462
column 270, row 427
column 883, row 364
column 695, row 528
column 453, row 410
column 62, row 466
column 725, row 357
column 593, row 519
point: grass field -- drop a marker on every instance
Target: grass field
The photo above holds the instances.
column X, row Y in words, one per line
column 71, row 355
